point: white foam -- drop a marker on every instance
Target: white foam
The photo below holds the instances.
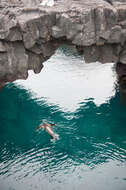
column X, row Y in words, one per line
column 49, row 3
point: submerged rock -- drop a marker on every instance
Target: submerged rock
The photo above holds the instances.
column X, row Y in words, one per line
column 30, row 33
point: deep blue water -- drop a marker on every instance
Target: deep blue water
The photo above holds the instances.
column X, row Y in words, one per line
column 84, row 103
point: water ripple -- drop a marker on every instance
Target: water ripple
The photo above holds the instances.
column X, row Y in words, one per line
column 89, row 121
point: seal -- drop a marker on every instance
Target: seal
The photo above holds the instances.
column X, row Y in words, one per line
column 47, row 127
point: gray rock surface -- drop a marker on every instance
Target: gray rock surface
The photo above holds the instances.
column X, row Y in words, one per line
column 30, row 33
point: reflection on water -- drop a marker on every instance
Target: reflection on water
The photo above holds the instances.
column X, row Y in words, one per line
column 66, row 80
column 90, row 153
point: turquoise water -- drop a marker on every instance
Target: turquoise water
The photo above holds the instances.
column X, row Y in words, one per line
column 84, row 103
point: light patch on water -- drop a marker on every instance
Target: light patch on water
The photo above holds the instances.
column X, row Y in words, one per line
column 66, row 80
column 80, row 177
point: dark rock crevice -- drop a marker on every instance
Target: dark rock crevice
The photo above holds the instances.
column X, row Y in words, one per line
column 109, row 1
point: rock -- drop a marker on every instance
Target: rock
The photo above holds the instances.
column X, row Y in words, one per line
column 13, row 62
column 34, row 62
column 86, row 35
column 2, row 47
column 115, row 34
column 17, row 65
column 57, row 32
column 103, row 54
column 123, row 56
column 121, row 72
column 30, row 33
column 121, row 69
column 9, row 29
column 34, row 27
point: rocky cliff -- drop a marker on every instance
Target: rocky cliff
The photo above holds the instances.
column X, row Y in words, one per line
column 30, row 33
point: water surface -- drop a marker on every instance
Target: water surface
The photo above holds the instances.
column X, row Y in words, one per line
column 83, row 101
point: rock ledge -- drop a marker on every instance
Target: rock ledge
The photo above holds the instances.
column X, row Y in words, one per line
column 30, row 33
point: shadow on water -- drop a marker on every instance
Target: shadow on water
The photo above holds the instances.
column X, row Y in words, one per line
column 91, row 135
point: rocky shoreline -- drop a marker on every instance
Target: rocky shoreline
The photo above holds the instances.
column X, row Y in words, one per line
column 30, row 33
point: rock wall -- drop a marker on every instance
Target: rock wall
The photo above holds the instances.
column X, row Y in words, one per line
column 30, row 33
